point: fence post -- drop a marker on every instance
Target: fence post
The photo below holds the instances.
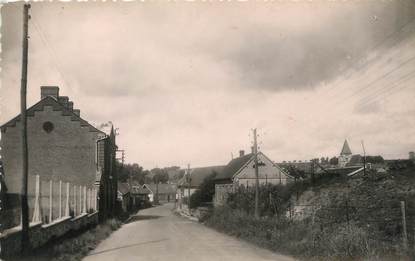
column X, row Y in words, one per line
column 96, row 199
column 84, row 201
column 60, row 198
column 50, row 200
column 36, row 211
column 404, row 234
column 80, row 199
column 67, row 200
column 94, row 205
column 90, row 199
column 74, row 200
column 347, row 212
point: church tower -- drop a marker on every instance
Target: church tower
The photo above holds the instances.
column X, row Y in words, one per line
column 345, row 154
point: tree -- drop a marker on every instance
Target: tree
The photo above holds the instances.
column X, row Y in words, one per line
column 160, row 175
column 205, row 192
column 295, row 172
column 334, row 161
column 134, row 171
column 375, row 159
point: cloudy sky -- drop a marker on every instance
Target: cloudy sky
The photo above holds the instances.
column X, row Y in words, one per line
column 185, row 82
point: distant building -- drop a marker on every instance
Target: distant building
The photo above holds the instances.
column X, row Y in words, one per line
column 68, row 159
column 191, row 182
column 241, row 172
column 345, row 155
column 124, row 196
column 412, row 156
column 165, row 192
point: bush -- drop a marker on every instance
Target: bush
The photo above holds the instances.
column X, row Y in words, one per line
column 300, row 238
column 205, row 192
column 273, row 199
column 114, row 224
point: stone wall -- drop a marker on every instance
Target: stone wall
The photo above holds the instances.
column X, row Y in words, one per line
column 10, row 240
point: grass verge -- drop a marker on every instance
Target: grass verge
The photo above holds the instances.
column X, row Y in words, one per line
column 73, row 246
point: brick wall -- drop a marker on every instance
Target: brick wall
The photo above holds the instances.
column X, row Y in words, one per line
column 67, row 153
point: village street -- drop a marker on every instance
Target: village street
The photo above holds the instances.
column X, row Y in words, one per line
column 158, row 234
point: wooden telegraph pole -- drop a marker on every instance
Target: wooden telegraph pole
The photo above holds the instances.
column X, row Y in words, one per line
column 157, row 178
column 25, row 243
column 189, row 180
column 364, row 158
column 256, row 175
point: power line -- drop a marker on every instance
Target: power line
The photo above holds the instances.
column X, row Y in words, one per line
column 382, row 77
column 51, row 52
column 376, row 46
column 387, row 89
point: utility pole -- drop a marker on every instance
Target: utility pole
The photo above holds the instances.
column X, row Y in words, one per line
column 312, row 170
column 130, row 201
column 157, row 188
column 256, row 175
column 123, row 157
column 23, row 118
column 189, row 180
column 364, row 159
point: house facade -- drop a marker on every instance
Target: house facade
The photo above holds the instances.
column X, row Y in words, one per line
column 71, row 163
column 192, row 180
column 164, row 192
column 241, row 172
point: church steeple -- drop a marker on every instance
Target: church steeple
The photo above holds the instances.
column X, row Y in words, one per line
column 346, row 149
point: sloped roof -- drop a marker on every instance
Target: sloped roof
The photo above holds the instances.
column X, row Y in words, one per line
column 198, row 175
column 141, row 190
column 233, row 166
column 162, row 188
column 346, row 149
column 49, row 101
column 355, row 159
column 124, row 188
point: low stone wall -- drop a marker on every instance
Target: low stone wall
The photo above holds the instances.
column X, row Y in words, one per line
column 40, row 234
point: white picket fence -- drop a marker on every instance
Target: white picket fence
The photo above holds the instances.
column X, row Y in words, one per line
column 55, row 200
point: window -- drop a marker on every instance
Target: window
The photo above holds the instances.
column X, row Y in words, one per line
column 48, row 126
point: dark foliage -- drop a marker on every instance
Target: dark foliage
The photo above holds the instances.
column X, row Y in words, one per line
column 135, row 171
column 160, row 175
column 205, row 192
column 334, row 161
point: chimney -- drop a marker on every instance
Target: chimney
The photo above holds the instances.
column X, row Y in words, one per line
column 77, row 112
column 241, row 153
column 70, row 105
column 52, row 91
column 63, row 100
column 252, row 149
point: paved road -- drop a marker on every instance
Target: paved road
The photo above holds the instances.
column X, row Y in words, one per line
column 158, row 234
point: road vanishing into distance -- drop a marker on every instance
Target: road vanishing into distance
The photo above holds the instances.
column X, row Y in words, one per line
column 158, row 234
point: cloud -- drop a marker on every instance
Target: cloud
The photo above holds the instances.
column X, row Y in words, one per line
column 185, row 82
column 275, row 58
